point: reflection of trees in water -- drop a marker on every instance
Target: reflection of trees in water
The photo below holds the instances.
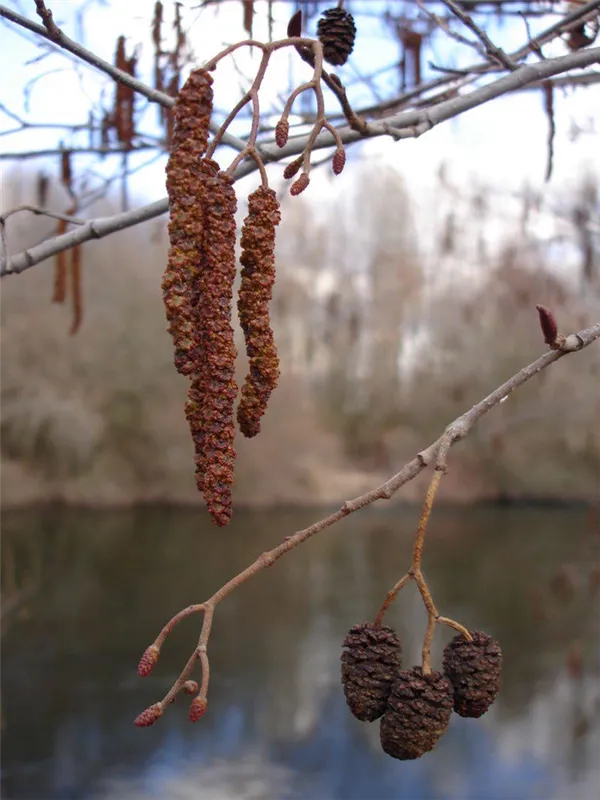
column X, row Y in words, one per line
column 21, row 571
column 71, row 692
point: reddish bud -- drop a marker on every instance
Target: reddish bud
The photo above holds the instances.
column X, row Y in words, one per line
column 190, row 687
column 300, row 185
column 294, row 27
column 282, row 131
column 547, row 324
column 197, row 708
column 339, row 160
column 149, row 716
column 336, row 80
column 293, row 167
column 148, row 660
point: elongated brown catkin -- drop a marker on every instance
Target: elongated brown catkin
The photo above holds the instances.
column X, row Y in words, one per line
column 256, row 290
column 59, row 294
column 190, row 138
column 211, row 398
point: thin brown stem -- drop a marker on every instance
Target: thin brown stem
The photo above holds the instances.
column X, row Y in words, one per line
column 391, row 596
column 432, row 615
column 46, row 15
column 456, row 625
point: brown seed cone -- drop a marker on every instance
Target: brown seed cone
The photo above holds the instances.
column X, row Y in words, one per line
column 212, row 394
column 474, row 670
column 371, row 661
column 336, row 31
column 417, row 714
column 192, row 118
column 256, row 290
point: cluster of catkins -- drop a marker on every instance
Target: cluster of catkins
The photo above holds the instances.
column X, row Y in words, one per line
column 415, row 709
column 198, row 293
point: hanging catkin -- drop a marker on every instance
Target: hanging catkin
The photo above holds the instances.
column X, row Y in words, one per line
column 211, row 398
column 192, row 118
column 256, row 290
column 198, row 291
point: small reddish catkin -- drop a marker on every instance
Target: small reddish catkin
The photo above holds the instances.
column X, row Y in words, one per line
column 256, row 290
column 282, row 131
column 339, row 160
column 192, row 118
column 292, row 168
column 299, row 185
column 211, row 397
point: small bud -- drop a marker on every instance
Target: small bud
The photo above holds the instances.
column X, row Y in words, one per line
column 547, row 324
column 300, row 185
column 339, row 160
column 293, row 167
column 336, row 80
column 282, row 131
column 190, row 687
column 197, row 708
column 294, row 27
column 149, row 716
column 148, row 660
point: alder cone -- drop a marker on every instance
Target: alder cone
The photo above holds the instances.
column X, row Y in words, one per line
column 417, row 714
column 474, row 670
column 371, row 661
column 336, row 32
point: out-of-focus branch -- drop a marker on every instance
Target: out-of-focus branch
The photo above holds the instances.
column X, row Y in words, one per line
column 64, row 42
column 407, row 124
column 93, row 229
column 41, row 212
column 490, row 48
column 112, row 150
column 435, row 454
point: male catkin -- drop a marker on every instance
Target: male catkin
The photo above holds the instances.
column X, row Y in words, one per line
column 256, row 290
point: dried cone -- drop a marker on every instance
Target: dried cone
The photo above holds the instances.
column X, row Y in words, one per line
column 417, row 715
column 474, row 670
column 336, row 31
column 371, row 662
column 256, row 290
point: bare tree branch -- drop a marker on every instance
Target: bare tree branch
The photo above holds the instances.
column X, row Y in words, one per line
column 435, row 454
column 93, row 229
column 64, row 42
column 407, row 124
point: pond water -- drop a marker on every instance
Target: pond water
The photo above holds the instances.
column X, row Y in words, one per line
column 85, row 593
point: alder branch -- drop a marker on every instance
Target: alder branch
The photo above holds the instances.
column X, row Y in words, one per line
column 61, row 40
column 491, row 49
column 96, row 228
column 407, row 124
column 435, row 454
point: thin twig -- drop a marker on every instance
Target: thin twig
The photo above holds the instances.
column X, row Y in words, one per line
column 64, row 42
column 490, row 48
column 49, row 24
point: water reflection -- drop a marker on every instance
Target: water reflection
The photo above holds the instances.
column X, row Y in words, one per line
column 277, row 725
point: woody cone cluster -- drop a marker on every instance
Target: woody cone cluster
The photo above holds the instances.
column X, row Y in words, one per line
column 415, row 708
